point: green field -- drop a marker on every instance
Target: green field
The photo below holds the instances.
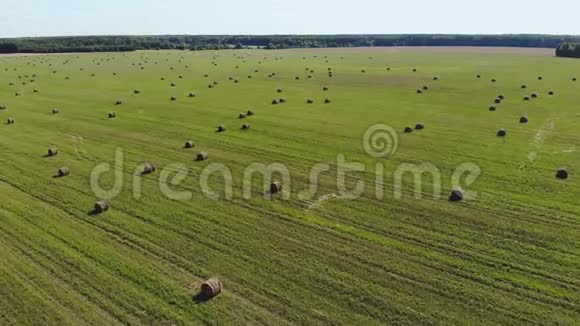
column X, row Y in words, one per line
column 510, row 255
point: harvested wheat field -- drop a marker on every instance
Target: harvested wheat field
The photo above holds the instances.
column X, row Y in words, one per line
column 503, row 249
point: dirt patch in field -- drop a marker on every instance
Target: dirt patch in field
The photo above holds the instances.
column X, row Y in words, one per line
column 20, row 54
column 544, row 131
column 539, row 138
column 320, row 201
column 49, row 54
column 438, row 50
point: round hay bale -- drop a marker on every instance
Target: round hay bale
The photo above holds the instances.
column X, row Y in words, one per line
column 245, row 126
column 551, row 93
column 419, row 126
column 388, row 69
column 574, row 79
column 325, row 88
column 55, row 111
column 250, row 113
column 562, row 173
column 540, row 78
column 173, row 98
column 35, row 91
column 425, row 88
column 497, row 101
column 414, row 70
column 275, row 187
column 101, row 206
column 327, row 101
column 478, row 76
column 492, row 108
column 501, row 97
column 282, row 100
column 493, row 80
column 501, row 133
column 309, row 101
column 201, row 156
column 220, row 128
column 363, row 71
column 210, row 86
column 408, row 130
column 456, row 195
column 524, row 86
column 173, row 85
column 112, row 115
column 63, row 171
column 526, row 98
column 10, row 121
column 136, row 91
column 274, row 102
column 297, row 78
column 211, row 288
column 279, row 90
column 17, row 94
column 53, row 151
column 180, row 76
column 523, row 119
column 309, row 77
column 215, row 83
column 118, row 102
column 191, row 94
column 435, row 78
column 189, row 144
column 149, row 168
column 534, row 95
column 2, row 107
column 241, row 116
column 419, row 91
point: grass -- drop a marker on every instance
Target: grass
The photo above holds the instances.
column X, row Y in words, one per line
column 509, row 256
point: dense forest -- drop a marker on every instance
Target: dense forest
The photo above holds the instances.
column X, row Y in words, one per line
column 568, row 50
column 184, row 42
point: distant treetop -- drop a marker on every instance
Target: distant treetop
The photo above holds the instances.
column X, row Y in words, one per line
column 568, row 50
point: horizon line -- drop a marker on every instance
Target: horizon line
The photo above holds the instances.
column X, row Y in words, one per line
column 296, row 34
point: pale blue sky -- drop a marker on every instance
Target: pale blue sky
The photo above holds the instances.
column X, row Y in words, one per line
column 114, row 17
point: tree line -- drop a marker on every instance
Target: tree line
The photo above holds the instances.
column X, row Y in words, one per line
column 217, row 42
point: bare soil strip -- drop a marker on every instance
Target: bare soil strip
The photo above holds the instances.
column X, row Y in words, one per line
column 392, row 49
column 439, row 50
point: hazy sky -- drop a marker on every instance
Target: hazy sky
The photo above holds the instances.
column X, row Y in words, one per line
column 110, row 17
